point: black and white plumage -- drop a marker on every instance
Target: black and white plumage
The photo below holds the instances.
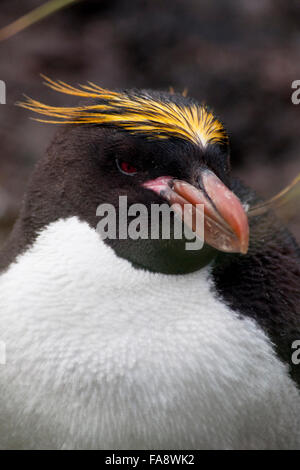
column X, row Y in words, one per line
column 140, row 344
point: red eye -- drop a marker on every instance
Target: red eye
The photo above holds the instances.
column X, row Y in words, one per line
column 126, row 168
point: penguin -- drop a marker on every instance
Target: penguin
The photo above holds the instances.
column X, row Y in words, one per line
column 140, row 343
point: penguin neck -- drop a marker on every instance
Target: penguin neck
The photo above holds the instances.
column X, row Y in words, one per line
column 163, row 256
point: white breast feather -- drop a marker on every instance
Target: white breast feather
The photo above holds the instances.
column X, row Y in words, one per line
column 101, row 355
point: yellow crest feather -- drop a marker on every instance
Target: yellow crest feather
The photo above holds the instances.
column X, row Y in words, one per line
column 137, row 113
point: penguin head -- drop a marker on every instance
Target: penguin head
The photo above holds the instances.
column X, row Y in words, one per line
column 151, row 148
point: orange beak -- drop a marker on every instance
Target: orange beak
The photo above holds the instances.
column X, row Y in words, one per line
column 225, row 221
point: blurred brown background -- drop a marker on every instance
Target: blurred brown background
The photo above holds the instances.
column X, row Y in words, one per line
column 239, row 57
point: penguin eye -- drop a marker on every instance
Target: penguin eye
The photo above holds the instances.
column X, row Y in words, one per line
column 126, row 168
